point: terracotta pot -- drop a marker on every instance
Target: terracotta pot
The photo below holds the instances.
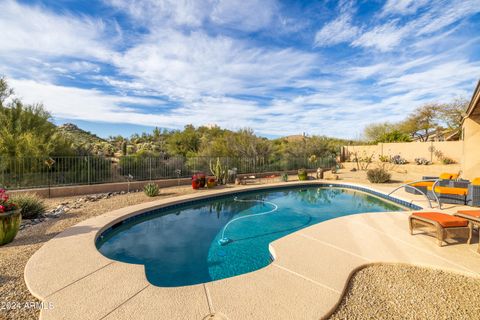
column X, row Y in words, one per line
column 195, row 183
column 9, row 225
column 199, row 179
column 202, row 179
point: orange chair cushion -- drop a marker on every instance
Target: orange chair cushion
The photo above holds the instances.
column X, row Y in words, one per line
column 473, row 213
column 423, row 184
column 450, row 190
column 445, row 220
column 476, row 182
column 446, row 176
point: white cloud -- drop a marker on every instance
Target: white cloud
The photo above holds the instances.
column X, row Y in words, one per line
column 33, row 30
column 445, row 14
column 337, row 31
column 188, row 67
column 384, row 37
column 246, row 15
column 434, row 16
column 403, row 7
column 178, row 12
column 200, row 71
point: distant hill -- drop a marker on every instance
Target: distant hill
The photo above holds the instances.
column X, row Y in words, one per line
column 86, row 142
column 296, row 137
column 79, row 136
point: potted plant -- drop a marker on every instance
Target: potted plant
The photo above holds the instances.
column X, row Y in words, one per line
column 302, row 174
column 211, row 182
column 196, row 182
column 202, row 179
column 10, row 218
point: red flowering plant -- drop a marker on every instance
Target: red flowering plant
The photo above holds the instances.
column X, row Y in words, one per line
column 6, row 204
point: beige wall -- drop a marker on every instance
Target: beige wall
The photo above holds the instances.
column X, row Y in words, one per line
column 410, row 150
column 471, row 149
column 68, row 191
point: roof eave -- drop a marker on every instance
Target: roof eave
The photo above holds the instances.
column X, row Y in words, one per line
column 474, row 102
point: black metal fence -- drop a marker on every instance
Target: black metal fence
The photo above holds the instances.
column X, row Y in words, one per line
column 30, row 172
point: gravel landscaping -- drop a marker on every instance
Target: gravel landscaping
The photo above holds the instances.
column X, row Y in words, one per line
column 391, row 291
column 14, row 256
column 375, row 292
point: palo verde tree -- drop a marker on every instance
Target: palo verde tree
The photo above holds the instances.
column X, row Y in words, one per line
column 26, row 130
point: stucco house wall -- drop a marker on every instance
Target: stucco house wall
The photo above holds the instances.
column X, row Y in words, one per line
column 471, row 138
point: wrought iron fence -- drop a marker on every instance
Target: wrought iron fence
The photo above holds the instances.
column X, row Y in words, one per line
column 30, row 172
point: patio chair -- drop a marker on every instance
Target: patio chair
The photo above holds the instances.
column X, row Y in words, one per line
column 446, row 194
column 473, row 195
column 445, row 225
column 473, row 216
column 423, row 186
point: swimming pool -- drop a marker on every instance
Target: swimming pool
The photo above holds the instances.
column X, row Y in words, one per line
column 218, row 238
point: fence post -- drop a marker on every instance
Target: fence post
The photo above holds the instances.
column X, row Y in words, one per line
column 150, row 164
column 88, row 170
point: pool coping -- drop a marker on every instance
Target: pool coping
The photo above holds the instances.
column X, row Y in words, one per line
column 70, row 263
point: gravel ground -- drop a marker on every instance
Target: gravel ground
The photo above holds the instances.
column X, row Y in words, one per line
column 14, row 256
column 393, row 291
column 375, row 292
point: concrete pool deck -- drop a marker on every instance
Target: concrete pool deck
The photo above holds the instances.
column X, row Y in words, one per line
column 307, row 279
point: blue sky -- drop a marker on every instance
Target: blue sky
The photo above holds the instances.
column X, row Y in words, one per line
column 278, row 67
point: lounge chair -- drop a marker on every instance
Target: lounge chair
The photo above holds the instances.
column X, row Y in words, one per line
column 447, row 194
column 473, row 216
column 446, row 226
column 473, row 195
column 423, row 186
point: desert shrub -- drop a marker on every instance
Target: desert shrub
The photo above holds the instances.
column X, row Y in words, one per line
column 378, row 175
column 383, row 158
column 397, row 159
column 447, row 160
column 443, row 159
column 151, row 190
column 364, row 160
column 422, row 161
column 302, row 174
column 30, row 204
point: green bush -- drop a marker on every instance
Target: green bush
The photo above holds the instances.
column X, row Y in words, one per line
column 383, row 158
column 30, row 204
column 378, row 175
column 151, row 190
column 302, row 174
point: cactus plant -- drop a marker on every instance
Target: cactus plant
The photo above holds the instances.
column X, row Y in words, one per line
column 219, row 171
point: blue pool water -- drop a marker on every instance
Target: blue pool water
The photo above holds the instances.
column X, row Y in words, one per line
column 182, row 246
